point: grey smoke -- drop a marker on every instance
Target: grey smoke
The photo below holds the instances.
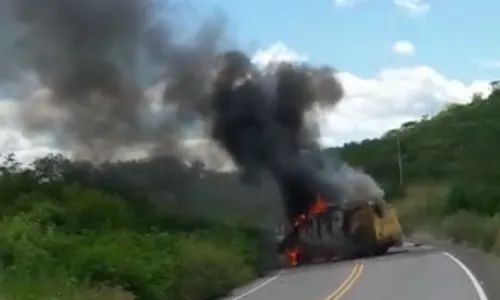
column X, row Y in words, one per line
column 95, row 59
column 259, row 117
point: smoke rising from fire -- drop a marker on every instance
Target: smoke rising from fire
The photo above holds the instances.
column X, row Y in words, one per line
column 94, row 61
column 259, row 116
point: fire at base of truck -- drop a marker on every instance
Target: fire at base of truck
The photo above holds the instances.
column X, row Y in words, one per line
column 293, row 249
column 327, row 232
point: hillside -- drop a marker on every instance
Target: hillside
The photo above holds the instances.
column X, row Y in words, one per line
column 125, row 230
column 450, row 170
column 460, row 137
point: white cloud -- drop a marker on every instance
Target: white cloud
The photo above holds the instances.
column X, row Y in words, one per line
column 375, row 105
column 371, row 106
column 417, row 7
column 403, row 47
column 276, row 52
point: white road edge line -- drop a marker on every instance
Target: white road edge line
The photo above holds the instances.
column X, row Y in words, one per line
column 261, row 285
column 472, row 278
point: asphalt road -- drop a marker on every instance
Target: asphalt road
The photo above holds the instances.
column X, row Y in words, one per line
column 410, row 274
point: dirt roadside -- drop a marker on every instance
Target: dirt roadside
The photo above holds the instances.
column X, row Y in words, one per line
column 484, row 266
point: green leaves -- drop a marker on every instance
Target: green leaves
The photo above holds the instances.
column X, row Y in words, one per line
column 63, row 237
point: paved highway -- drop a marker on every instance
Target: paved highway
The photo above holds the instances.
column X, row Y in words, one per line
column 413, row 274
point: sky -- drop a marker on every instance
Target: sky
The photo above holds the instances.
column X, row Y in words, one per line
column 358, row 35
column 398, row 60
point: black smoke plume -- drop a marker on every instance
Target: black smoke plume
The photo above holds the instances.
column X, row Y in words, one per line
column 259, row 116
column 95, row 63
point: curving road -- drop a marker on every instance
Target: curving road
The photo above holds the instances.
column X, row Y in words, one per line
column 407, row 274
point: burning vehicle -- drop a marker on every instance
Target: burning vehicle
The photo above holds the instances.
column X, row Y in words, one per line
column 259, row 117
column 90, row 69
column 360, row 224
column 327, row 232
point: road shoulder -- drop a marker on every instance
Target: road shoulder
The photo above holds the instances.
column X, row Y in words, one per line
column 484, row 266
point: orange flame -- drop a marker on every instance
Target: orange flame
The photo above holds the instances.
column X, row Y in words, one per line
column 292, row 256
column 319, row 206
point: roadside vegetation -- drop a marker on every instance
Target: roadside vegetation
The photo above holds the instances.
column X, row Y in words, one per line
column 72, row 231
column 451, row 171
column 157, row 229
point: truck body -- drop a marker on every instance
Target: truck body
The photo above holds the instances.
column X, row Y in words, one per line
column 360, row 229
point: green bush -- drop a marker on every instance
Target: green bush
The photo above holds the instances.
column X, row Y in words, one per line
column 496, row 246
column 393, row 191
column 422, row 207
column 479, row 197
column 64, row 239
column 21, row 244
column 89, row 209
column 18, row 286
column 206, row 271
column 142, row 264
column 473, row 229
column 438, row 210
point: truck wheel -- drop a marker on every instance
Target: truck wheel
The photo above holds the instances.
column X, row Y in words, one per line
column 361, row 241
column 348, row 249
column 381, row 250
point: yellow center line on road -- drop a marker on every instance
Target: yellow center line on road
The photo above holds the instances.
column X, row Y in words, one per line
column 347, row 284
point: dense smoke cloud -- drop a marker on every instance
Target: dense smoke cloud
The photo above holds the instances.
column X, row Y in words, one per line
column 96, row 62
column 95, row 59
column 260, row 118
